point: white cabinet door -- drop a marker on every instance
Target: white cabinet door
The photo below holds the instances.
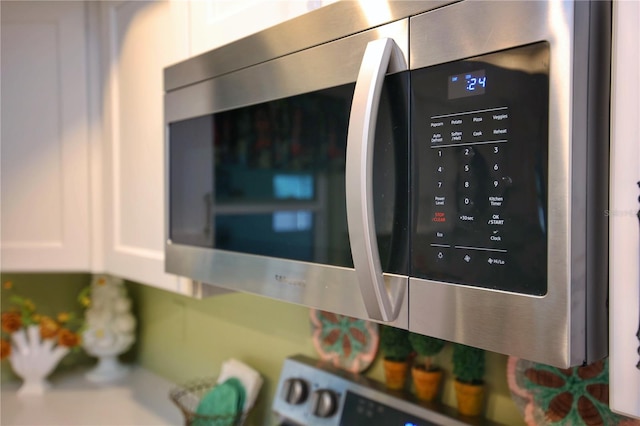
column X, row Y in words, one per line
column 218, row 22
column 139, row 38
column 44, row 172
column 624, row 245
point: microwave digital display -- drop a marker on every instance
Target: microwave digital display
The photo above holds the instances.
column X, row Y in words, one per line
column 467, row 84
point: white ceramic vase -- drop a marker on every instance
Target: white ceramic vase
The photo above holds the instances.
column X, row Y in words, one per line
column 106, row 345
column 33, row 359
column 110, row 329
column 109, row 368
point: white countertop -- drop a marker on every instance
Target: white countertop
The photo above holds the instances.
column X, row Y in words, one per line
column 139, row 399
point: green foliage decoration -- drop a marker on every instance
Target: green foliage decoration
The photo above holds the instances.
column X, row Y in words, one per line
column 468, row 364
column 394, row 343
column 426, row 347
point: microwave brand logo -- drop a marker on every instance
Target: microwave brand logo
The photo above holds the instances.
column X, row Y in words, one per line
column 290, row 281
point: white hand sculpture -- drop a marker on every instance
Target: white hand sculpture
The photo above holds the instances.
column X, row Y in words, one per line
column 33, row 359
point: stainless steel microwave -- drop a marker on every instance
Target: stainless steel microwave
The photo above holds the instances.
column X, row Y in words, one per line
column 436, row 166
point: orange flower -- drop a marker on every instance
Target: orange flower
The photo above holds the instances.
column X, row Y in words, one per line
column 63, row 317
column 8, row 285
column 48, row 328
column 5, row 349
column 68, row 338
column 11, row 321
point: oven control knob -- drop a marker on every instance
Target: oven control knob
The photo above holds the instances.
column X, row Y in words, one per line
column 295, row 391
column 324, row 403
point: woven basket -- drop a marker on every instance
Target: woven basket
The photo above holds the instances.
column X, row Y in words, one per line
column 187, row 397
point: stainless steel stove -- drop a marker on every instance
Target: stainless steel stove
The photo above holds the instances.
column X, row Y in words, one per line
column 312, row 392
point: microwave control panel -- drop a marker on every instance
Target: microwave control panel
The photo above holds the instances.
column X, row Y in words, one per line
column 479, row 161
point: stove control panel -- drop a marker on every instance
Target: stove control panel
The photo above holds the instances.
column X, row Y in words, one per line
column 312, row 392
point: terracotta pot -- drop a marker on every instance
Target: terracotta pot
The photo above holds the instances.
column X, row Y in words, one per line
column 470, row 398
column 426, row 382
column 395, row 373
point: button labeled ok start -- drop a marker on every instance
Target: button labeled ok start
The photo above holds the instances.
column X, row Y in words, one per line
column 495, row 220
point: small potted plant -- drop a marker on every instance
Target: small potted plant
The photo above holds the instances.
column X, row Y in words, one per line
column 426, row 375
column 468, row 367
column 396, row 349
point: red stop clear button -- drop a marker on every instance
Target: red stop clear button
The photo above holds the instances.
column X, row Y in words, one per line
column 439, row 217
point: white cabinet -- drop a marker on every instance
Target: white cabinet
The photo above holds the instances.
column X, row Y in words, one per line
column 624, row 248
column 82, row 127
column 44, row 174
column 139, row 39
column 216, row 23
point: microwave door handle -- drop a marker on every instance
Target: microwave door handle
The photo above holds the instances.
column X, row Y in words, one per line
column 376, row 61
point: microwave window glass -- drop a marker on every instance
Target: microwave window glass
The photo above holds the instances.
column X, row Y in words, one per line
column 269, row 179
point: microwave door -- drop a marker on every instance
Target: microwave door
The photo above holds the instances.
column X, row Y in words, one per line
column 257, row 178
